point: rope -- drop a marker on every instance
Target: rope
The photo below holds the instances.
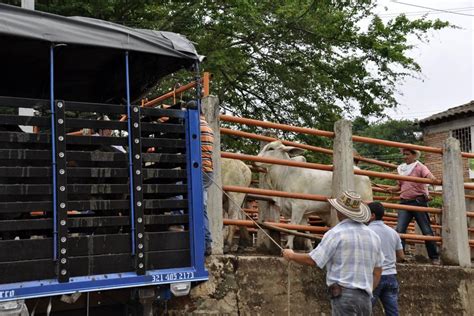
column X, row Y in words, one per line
column 241, row 210
column 288, row 288
column 288, row 291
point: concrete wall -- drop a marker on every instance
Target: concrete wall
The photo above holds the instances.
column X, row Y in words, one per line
column 253, row 285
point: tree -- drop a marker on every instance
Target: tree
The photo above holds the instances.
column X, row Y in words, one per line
column 405, row 131
column 301, row 62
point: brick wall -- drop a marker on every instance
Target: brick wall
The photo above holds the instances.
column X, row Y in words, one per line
column 433, row 161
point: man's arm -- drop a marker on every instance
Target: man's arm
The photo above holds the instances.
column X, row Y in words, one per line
column 400, row 255
column 394, row 188
column 301, row 258
column 377, row 275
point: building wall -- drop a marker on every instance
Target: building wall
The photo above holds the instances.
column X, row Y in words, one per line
column 435, row 137
column 433, row 161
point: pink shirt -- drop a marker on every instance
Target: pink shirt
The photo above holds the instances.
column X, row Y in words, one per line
column 411, row 190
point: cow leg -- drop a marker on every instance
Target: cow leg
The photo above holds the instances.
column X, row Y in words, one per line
column 234, row 203
column 297, row 213
column 307, row 242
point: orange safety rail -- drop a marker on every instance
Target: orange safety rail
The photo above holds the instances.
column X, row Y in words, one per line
column 316, row 229
column 316, row 132
column 317, row 166
column 228, row 131
column 323, row 198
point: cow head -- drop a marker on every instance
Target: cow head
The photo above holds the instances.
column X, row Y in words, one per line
column 277, row 150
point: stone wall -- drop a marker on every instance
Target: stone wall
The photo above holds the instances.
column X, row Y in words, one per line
column 258, row 285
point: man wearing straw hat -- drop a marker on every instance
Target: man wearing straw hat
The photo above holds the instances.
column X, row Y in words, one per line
column 352, row 255
column 415, row 194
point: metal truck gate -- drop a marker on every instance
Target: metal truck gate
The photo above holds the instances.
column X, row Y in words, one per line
column 84, row 213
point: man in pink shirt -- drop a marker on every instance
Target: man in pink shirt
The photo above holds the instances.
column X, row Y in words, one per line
column 416, row 194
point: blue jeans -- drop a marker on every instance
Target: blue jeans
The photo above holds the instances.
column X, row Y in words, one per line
column 206, row 183
column 351, row 302
column 423, row 220
column 387, row 292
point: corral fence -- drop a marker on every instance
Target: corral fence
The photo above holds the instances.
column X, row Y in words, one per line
column 453, row 227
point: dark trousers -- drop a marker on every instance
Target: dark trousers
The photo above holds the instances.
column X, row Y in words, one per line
column 351, row 302
column 387, row 292
column 423, row 220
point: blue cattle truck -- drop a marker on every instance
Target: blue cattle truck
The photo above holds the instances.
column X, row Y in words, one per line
column 85, row 206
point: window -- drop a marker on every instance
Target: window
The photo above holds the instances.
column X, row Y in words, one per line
column 464, row 137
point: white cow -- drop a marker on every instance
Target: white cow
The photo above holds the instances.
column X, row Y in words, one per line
column 302, row 180
column 234, row 172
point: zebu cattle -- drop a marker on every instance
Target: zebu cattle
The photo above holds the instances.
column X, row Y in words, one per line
column 234, row 172
column 301, row 180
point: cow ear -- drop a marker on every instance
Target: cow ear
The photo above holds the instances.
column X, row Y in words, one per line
column 293, row 151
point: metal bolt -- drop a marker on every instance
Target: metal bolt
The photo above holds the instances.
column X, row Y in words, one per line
column 60, row 121
column 140, row 235
column 140, row 246
column 60, row 104
column 138, row 172
column 137, row 156
column 61, row 154
column 62, row 171
column 140, row 265
column 63, row 251
column 63, row 222
column 63, row 239
column 140, row 255
column 135, row 125
column 63, row 260
column 137, row 140
column 135, row 109
column 62, row 188
column 139, row 188
column 62, row 205
column 139, row 219
column 61, row 138
column 63, row 272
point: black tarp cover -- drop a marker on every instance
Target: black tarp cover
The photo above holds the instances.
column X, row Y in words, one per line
column 89, row 56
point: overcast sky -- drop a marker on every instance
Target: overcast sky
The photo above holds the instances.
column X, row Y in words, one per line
column 446, row 61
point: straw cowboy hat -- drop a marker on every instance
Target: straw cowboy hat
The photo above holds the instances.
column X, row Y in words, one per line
column 350, row 204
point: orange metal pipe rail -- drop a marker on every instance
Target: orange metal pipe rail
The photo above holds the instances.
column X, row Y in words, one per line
column 228, row 131
column 317, row 166
column 317, row 132
column 169, row 95
column 323, row 198
column 316, row 229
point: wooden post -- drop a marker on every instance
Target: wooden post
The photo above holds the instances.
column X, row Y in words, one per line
column 343, row 161
column 267, row 211
column 455, row 247
column 210, row 107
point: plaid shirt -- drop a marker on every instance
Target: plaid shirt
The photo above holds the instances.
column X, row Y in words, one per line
column 350, row 251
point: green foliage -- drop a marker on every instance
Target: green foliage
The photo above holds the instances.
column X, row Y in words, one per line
column 404, row 131
column 300, row 62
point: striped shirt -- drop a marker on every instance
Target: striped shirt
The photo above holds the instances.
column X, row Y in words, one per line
column 350, row 251
column 207, row 145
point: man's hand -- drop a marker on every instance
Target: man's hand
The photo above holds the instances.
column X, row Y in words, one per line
column 288, row 254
